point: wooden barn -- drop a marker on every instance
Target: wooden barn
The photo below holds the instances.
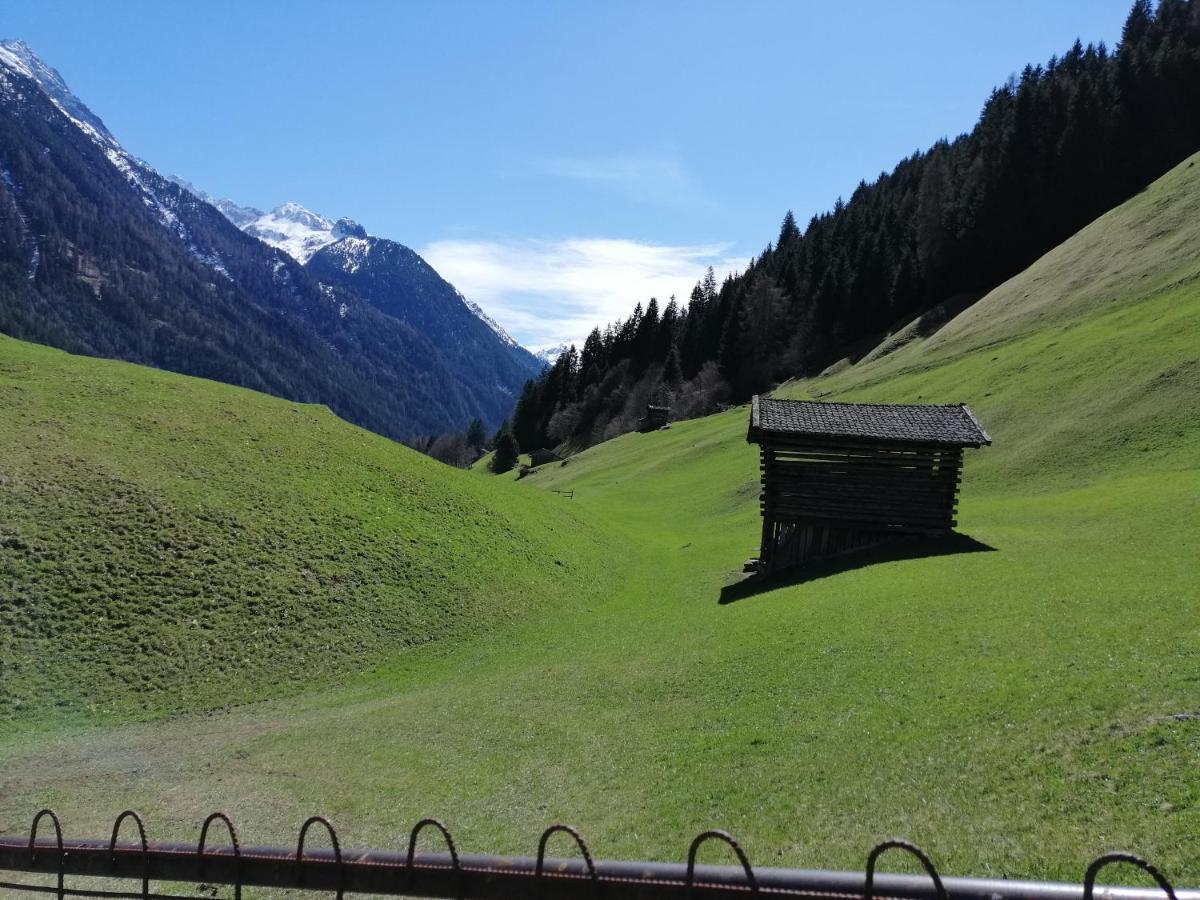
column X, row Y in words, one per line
column 543, row 456
column 838, row 477
column 655, row 417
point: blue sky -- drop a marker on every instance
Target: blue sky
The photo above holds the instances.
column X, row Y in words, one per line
column 557, row 161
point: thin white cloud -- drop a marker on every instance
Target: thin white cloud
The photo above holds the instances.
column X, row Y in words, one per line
column 647, row 178
column 623, row 169
column 546, row 293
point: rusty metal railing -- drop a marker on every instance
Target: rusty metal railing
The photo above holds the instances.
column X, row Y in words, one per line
column 454, row 875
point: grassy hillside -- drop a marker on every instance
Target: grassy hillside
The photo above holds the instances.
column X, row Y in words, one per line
column 1015, row 709
column 1087, row 363
column 169, row 543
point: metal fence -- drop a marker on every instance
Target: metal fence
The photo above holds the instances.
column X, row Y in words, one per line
column 140, row 868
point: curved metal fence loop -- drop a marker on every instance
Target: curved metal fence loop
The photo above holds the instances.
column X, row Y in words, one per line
column 579, row 842
column 900, row 844
column 58, row 836
column 337, row 850
column 237, row 849
column 141, row 827
column 447, row 836
column 210, row 863
column 1089, row 878
column 726, row 837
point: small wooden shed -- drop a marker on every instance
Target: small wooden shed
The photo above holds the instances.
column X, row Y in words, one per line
column 655, row 417
column 842, row 476
column 542, row 456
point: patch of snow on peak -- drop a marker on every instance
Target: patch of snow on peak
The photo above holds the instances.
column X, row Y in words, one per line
column 550, row 355
column 487, row 320
column 296, row 231
column 235, row 213
column 16, row 56
column 353, row 251
column 19, row 56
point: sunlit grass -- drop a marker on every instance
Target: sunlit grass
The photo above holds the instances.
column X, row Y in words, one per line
column 1015, row 710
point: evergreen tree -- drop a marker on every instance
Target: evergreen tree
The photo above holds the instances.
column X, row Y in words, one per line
column 646, row 335
column 475, row 434
column 506, row 453
column 668, row 331
column 529, row 413
column 672, row 370
column 1137, row 23
column 789, row 234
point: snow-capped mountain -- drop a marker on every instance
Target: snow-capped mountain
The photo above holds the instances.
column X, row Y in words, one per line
column 549, row 355
column 17, row 56
column 293, row 229
column 296, row 231
column 300, row 233
column 101, row 254
column 398, row 281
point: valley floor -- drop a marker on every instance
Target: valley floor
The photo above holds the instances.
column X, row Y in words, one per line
column 1015, row 710
column 1011, row 727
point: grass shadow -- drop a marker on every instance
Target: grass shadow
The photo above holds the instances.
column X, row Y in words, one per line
column 892, row 551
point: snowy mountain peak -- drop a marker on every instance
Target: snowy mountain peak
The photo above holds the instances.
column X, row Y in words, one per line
column 300, row 233
column 19, row 57
column 294, row 212
column 16, row 57
column 352, row 252
column 549, row 355
column 348, row 228
column 235, row 213
column 294, row 229
column 297, row 231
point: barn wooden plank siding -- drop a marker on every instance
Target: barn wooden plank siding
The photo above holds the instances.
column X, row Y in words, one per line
column 843, row 476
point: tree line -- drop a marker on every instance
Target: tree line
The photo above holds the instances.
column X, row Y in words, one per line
column 1054, row 147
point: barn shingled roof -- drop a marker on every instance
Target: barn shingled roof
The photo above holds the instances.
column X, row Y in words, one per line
column 949, row 424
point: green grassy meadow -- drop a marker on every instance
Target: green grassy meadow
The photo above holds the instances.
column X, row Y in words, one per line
column 1015, row 710
column 171, row 543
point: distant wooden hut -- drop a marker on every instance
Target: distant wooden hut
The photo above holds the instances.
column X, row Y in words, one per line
column 656, row 417
column 543, row 456
column 842, row 476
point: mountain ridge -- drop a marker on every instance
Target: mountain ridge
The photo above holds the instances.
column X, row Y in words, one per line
column 101, row 254
column 302, row 233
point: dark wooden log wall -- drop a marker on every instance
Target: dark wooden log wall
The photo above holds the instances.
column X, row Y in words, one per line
column 823, row 497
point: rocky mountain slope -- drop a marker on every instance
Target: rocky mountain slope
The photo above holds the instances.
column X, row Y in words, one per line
column 100, row 254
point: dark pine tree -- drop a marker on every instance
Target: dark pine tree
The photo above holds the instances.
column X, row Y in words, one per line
column 476, row 436
column 506, row 453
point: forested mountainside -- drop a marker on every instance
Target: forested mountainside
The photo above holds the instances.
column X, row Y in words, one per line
column 397, row 282
column 100, row 254
column 1053, row 148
